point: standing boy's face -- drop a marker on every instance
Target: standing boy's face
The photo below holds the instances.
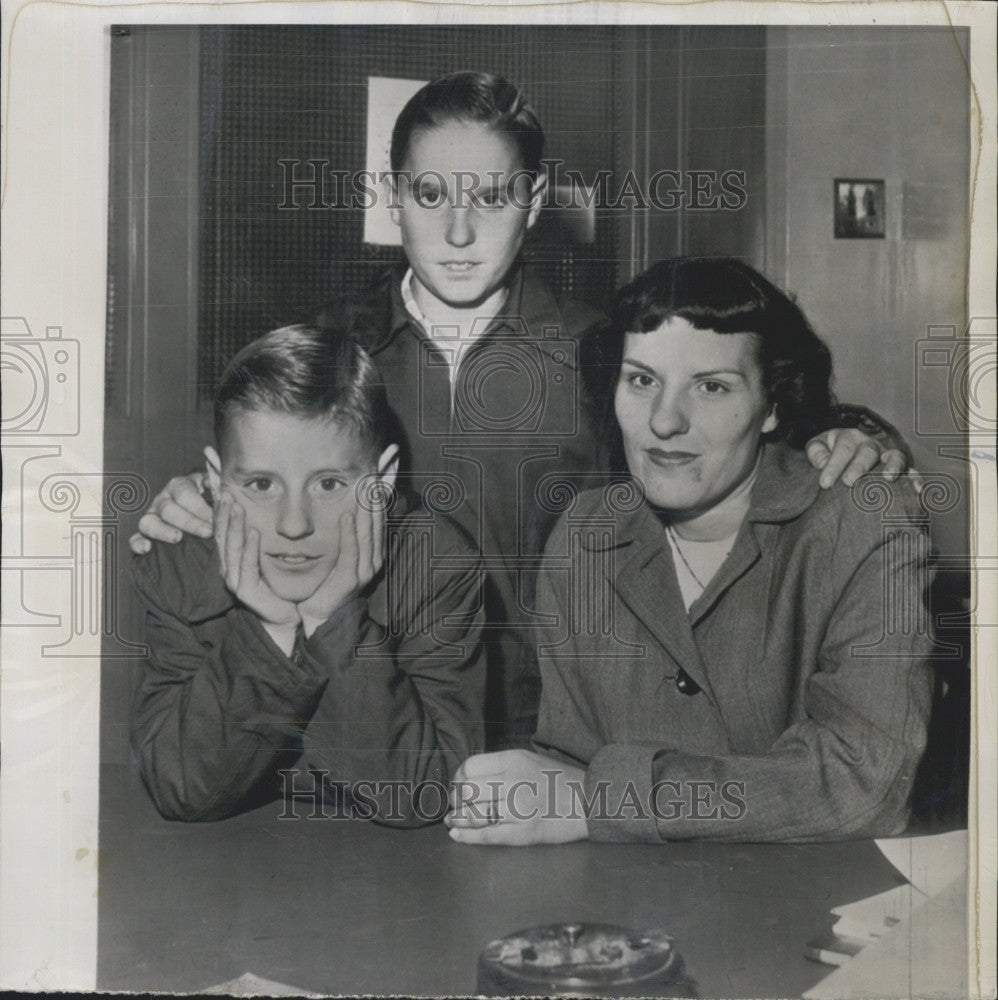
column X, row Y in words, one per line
column 295, row 478
column 464, row 205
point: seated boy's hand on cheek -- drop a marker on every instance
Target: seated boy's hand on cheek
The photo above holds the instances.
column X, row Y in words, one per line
column 518, row 798
column 239, row 556
column 360, row 559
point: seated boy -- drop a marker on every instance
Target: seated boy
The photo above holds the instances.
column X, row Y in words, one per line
column 308, row 628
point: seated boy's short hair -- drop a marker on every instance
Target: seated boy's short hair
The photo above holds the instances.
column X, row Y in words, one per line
column 471, row 97
column 311, row 372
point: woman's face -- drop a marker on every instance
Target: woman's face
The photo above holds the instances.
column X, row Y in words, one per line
column 691, row 407
column 464, row 204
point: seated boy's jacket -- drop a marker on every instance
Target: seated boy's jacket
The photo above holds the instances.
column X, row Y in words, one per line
column 385, row 695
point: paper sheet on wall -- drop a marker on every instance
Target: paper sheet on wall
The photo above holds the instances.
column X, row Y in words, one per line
column 386, row 96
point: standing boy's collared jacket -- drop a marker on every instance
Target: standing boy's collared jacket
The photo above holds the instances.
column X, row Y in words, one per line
column 389, row 689
column 493, row 450
column 790, row 704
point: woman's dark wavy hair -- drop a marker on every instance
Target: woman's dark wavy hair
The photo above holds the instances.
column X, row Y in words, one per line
column 311, row 372
column 471, row 97
column 727, row 296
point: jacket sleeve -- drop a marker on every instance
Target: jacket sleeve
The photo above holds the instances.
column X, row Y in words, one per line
column 403, row 704
column 214, row 718
column 843, row 769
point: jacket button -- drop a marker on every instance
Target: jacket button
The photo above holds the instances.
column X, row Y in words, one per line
column 685, row 683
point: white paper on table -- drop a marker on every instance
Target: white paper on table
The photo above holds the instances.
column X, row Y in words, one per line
column 917, row 932
column 386, row 96
column 928, row 863
column 872, row 917
column 252, row 985
column 925, row 955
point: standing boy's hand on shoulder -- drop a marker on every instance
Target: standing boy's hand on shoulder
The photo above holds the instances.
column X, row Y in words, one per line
column 239, row 555
column 178, row 509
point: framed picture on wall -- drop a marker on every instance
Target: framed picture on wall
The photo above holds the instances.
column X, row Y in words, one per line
column 860, row 208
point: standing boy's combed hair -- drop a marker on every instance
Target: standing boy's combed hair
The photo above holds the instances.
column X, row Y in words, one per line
column 307, row 371
column 471, row 97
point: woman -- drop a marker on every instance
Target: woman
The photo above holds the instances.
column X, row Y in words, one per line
column 721, row 663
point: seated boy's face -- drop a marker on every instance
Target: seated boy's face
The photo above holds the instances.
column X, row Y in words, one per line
column 295, row 479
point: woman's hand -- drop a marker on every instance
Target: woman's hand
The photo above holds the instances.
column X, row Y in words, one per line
column 362, row 554
column 518, row 798
column 239, row 554
column 847, row 453
column 177, row 509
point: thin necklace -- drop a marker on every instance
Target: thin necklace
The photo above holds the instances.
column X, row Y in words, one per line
column 675, row 543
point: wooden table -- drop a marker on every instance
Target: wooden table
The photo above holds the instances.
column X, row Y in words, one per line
column 349, row 907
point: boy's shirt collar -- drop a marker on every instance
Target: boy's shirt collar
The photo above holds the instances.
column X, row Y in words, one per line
column 406, row 310
column 531, row 311
column 412, row 307
column 451, row 350
column 409, row 300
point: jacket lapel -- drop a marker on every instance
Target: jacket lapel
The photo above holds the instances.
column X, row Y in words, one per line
column 785, row 486
column 741, row 559
column 646, row 582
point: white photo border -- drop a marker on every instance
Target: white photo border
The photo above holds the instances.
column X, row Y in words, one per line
column 54, row 191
